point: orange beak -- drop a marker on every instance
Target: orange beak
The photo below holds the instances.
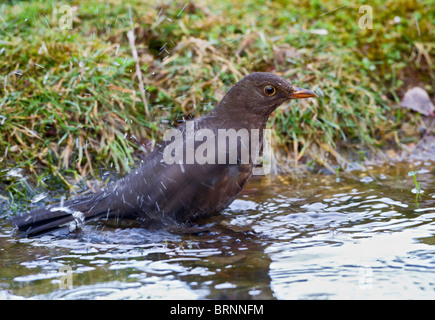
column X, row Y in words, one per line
column 300, row 93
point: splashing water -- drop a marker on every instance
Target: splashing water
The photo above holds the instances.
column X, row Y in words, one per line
column 316, row 239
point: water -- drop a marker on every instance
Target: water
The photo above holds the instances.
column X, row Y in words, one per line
column 363, row 235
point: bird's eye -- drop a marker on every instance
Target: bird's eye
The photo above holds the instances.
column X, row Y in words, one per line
column 269, row 90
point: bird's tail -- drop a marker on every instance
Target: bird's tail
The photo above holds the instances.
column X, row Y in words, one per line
column 75, row 210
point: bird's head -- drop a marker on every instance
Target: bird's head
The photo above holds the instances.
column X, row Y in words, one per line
column 260, row 93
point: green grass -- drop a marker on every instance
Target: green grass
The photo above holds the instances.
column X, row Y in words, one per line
column 70, row 103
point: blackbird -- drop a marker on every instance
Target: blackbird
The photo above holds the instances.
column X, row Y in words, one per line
column 176, row 190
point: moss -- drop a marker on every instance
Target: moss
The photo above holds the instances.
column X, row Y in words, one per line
column 70, row 100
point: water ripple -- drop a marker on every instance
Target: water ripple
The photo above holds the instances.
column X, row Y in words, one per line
column 324, row 238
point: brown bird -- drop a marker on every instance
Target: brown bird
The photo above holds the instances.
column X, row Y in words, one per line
column 179, row 182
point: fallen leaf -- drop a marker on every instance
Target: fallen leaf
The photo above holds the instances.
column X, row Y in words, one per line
column 418, row 100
